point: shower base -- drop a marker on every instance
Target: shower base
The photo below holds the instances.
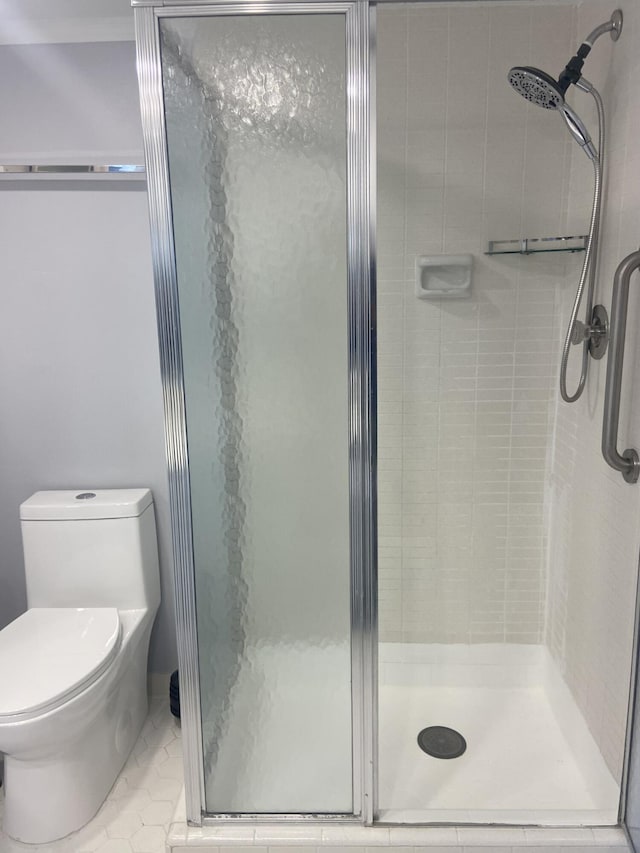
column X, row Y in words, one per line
column 530, row 763
column 530, row 758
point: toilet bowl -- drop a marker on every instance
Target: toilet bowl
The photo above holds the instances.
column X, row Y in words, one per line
column 73, row 668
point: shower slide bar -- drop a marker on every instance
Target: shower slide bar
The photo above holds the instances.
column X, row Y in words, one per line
column 628, row 463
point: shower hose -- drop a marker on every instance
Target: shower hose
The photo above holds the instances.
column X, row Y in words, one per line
column 589, row 266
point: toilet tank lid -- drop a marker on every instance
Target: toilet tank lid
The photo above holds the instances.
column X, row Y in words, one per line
column 81, row 504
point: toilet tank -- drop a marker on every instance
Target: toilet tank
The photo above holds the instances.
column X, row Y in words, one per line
column 93, row 548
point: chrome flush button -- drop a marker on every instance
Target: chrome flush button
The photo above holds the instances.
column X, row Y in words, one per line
column 84, row 496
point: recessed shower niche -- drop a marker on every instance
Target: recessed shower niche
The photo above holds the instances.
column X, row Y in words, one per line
column 443, row 276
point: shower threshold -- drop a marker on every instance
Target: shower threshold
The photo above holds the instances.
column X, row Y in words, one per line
column 299, row 838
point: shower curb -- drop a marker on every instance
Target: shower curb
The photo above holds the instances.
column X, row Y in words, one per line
column 232, row 837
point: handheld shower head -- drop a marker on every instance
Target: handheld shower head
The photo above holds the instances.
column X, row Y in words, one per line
column 541, row 89
column 536, row 86
column 578, row 130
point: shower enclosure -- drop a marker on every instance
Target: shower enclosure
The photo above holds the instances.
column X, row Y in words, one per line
column 406, row 578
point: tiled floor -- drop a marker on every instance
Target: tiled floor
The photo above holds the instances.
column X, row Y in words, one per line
column 137, row 813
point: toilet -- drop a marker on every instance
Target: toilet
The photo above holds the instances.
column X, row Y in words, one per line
column 73, row 668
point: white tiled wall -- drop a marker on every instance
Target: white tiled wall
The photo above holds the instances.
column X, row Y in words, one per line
column 466, row 387
column 594, row 535
column 499, row 520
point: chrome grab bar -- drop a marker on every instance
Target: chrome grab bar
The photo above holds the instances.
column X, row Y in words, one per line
column 628, row 463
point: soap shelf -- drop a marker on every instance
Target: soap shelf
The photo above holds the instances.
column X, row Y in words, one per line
column 443, row 276
column 533, row 245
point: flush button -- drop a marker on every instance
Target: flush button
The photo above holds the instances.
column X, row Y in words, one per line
column 84, row 496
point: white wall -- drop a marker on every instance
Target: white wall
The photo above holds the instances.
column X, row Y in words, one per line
column 79, row 371
column 595, row 534
column 76, row 102
column 466, row 387
column 65, row 21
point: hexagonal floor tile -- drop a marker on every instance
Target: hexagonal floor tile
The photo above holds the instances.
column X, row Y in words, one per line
column 124, row 825
column 149, row 839
column 115, row 845
column 157, row 814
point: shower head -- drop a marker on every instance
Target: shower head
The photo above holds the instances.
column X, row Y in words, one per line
column 541, row 89
column 536, row 86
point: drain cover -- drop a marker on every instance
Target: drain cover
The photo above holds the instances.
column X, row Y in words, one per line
column 441, row 742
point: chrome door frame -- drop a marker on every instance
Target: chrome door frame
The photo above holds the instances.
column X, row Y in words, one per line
column 361, row 384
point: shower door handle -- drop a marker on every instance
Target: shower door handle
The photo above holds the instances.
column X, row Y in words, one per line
column 628, row 463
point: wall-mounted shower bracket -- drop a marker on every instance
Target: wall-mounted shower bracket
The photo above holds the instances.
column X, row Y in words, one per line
column 599, row 332
column 596, row 332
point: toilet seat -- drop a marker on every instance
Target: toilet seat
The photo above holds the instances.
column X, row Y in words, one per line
column 48, row 655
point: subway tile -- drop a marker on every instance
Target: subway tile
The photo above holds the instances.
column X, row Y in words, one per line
column 508, row 391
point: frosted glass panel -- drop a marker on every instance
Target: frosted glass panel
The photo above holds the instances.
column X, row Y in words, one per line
column 255, row 109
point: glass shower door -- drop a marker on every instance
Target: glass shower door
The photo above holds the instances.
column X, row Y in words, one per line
column 256, row 136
